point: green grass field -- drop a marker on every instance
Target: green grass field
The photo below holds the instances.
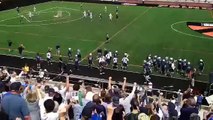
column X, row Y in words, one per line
column 139, row 31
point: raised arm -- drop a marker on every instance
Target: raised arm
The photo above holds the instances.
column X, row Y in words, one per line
column 110, row 83
column 124, row 84
column 67, row 82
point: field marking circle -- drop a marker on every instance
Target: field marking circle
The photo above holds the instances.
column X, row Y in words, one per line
column 31, row 25
column 36, row 21
column 178, row 31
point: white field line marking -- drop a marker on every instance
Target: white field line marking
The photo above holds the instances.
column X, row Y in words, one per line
column 30, row 25
column 19, row 16
column 68, row 8
column 25, row 18
column 172, row 27
column 37, row 21
column 45, row 24
column 103, row 43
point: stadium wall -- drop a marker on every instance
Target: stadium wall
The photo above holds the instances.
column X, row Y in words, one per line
column 9, row 4
column 160, row 82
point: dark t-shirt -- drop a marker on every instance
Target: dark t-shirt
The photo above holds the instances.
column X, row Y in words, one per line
column 101, row 110
column 15, row 106
column 186, row 112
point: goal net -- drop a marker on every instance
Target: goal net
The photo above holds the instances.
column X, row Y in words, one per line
column 59, row 14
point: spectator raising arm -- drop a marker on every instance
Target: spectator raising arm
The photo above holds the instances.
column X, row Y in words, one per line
column 110, row 83
column 124, row 84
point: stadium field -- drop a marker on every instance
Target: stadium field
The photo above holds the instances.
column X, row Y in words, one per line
column 139, row 31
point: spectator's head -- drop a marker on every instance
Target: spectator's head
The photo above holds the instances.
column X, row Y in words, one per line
column 58, row 98
column 143, row 116
column 51, row 92
column 108, row 98
column 155, row 117
column 16, row 86
column 103, row 94
column 46, row 88
column 49, row 105
column 134, row 104
column 88, row 89
column 115, row 90
column 115, row 101
column 149, row 108
column 76, row 87
column 31, row 97
column 96, row 99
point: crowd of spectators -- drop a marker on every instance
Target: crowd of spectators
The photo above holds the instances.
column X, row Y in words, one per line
column 36, row 99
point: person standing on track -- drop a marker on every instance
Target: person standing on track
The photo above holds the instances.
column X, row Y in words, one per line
column 90, row 60
column 38, row 61
column 125, row 61
column 20, row 50
column 69, row 54
column 107, row 38
column 116, row 15
column 9, row 42
column 110, row 16
column 49, row 57
column 18, row 10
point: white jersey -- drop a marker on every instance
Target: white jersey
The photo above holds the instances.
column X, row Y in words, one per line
column 125, row 60
column 30, row 14
column 34, row 9
column 105, row 8
column 107, row 56
column 85, row 14
column 101, row 59
column 110, row 16
column 110, row 54
column 49, row 55
column 90, row 15
column 115, row 60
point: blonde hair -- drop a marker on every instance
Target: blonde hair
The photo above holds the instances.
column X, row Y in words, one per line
column 31, row 97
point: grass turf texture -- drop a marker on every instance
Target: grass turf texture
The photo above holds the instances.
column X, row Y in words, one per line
column 139, row 31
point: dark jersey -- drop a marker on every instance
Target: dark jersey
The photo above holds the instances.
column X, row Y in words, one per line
column 38, row 58
column 107, row 37
column 18, row 10
column 20, row 49
column 57, row 46
column 116, row 16
column 9, row 43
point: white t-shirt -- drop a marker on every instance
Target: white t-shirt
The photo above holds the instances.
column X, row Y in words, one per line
column 89, row 96
column 51, row 116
